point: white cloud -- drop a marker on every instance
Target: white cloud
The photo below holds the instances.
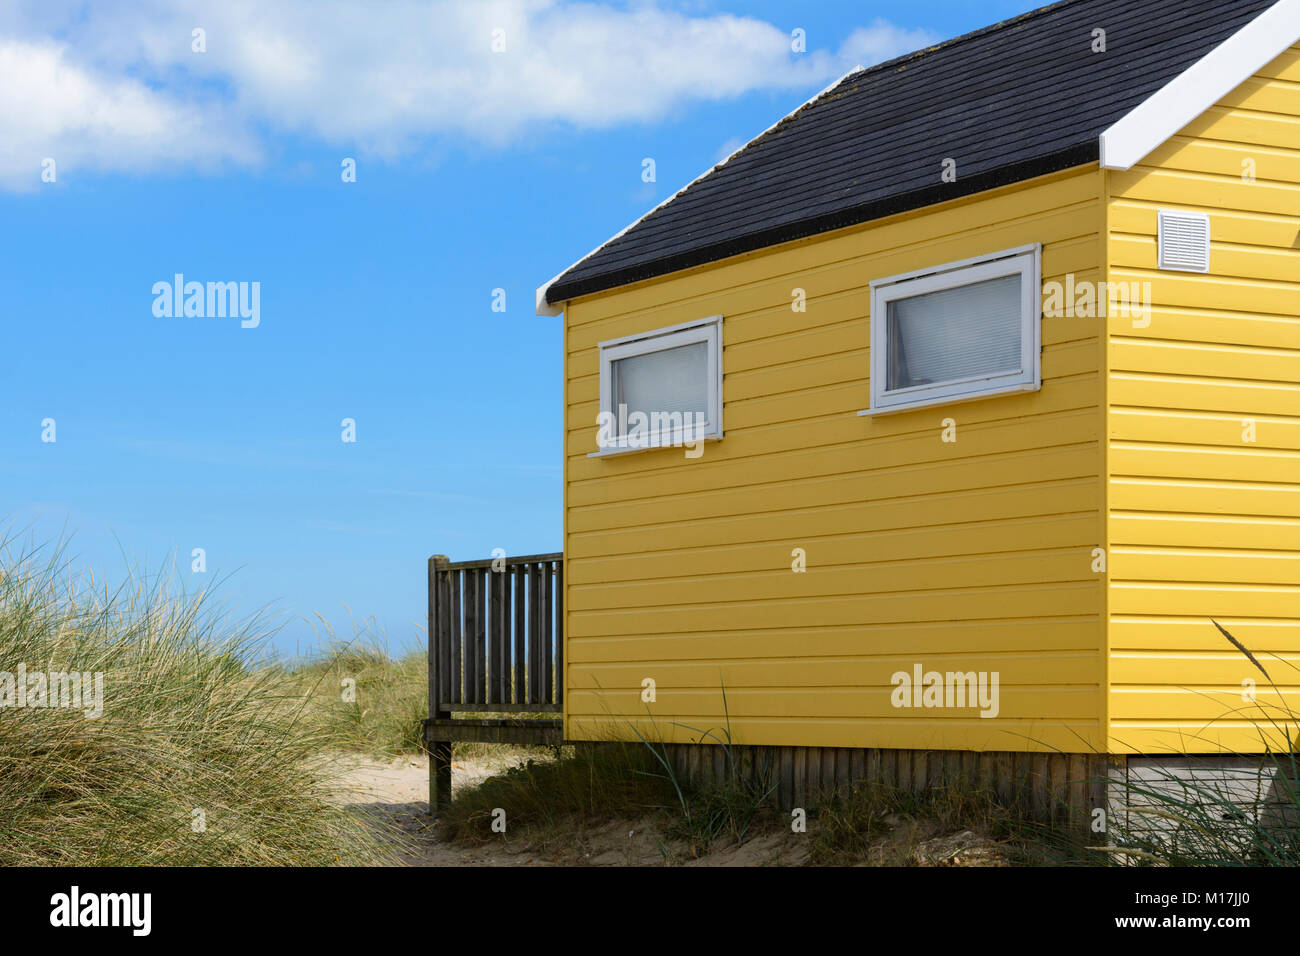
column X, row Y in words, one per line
column 122, row 89
column 883, row 41
column 53, row 108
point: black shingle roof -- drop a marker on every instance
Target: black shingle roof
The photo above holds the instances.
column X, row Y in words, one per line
column 1012, row 101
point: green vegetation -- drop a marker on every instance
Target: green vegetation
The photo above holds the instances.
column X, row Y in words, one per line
column 884, row 826
column 586, row 785
column 202, row 755
column 580, row 787
column 1175, row 819
column 552, row 803
column 362, row 697
column 371, row 701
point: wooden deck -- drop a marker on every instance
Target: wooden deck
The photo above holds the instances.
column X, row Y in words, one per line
column 496, row 646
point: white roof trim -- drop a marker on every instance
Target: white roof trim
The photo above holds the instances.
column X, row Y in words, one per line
column 1201, row 85
column 543, row 308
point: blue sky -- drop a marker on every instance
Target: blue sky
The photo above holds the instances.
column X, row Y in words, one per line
column 476, row 170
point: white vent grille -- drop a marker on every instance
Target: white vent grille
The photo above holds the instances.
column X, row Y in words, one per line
column 1185, row 241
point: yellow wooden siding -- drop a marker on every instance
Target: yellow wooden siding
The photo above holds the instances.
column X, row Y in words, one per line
column 973, row 556
column 1202, row 523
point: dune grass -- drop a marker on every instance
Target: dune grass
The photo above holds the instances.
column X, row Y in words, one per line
column 365, row 698
column 1175, row 819
column 548, row 799
column 548, row 802
column 616, row 779
column 551, row 803
column 884, row 826
column 373, row 701
column 202, row 755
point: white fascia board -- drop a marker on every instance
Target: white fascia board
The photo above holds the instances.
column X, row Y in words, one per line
column 1200, row 86
column 545, row 308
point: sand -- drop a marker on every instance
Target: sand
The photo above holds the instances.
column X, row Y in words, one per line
column 398, row 790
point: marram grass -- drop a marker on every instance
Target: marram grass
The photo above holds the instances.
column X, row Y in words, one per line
column 200, row 757
column 373, row 701
column 368, row 700
column 1180, row 819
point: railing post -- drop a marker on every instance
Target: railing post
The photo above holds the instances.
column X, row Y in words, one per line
column 499, row 641
column 475, row 634
column 520, row 582
column 439, row 750
column 559, row 632
column 547, row 635
column 534, row 633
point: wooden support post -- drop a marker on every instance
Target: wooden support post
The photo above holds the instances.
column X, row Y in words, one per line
column 439, row 775
column 439, row 633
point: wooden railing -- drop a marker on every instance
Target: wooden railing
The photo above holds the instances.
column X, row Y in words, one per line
column 496, row 641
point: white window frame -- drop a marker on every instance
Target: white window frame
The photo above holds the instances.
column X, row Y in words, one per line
column 1025, row 261
column 708, row 331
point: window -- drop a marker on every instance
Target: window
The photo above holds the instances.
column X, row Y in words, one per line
column 959, row 331
column 661, row 388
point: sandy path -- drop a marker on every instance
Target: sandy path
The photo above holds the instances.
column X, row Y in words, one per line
column 399, row 789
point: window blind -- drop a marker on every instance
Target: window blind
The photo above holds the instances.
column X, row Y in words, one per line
column 671, row 380
column 967, row 332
